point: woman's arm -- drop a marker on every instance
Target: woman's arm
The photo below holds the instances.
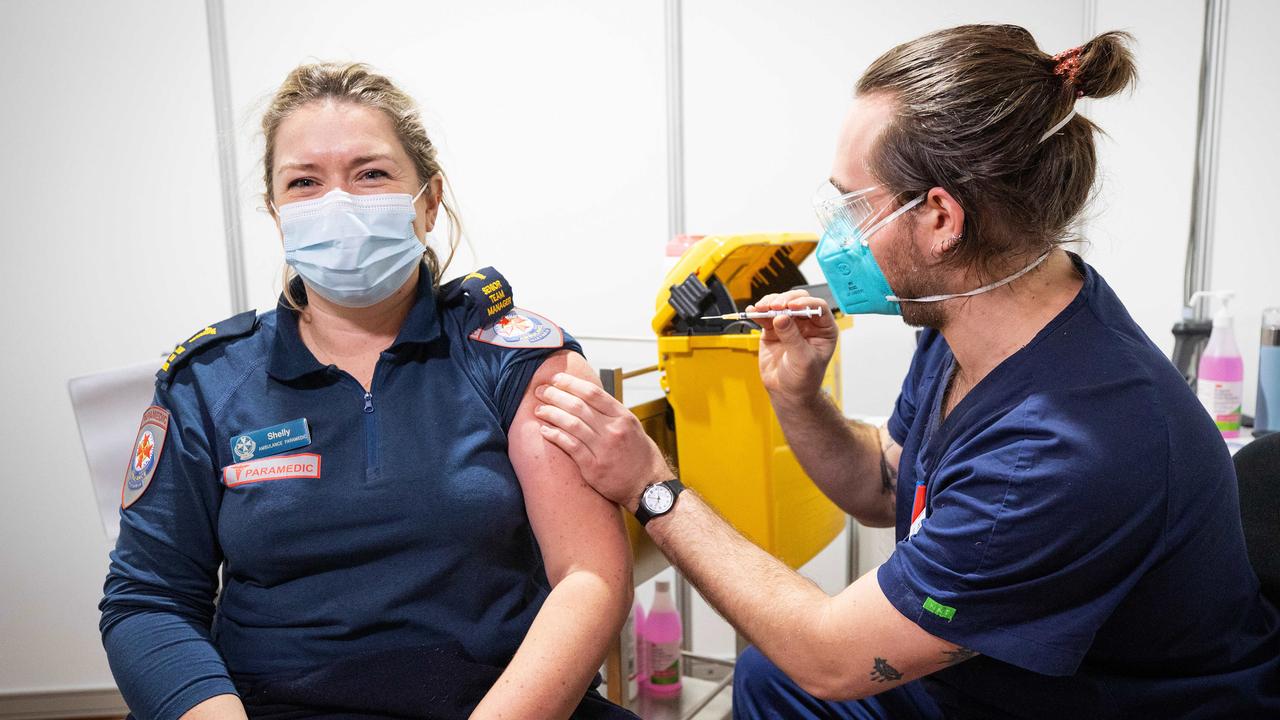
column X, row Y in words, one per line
column 158, row 598
column 588, row 562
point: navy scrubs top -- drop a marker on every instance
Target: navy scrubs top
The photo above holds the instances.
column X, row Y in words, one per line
column 401, row 523
column 1081, row 532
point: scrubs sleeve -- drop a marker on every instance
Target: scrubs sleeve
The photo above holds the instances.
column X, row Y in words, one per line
column 904, row 410
column 158, row 602
column 1015, row 559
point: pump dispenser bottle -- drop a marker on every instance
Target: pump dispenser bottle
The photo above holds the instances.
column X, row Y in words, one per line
column 1220, row 381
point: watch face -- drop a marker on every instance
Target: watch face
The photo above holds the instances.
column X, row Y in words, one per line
column 658, row 499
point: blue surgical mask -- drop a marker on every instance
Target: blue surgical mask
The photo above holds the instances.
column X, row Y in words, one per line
column 354, row 250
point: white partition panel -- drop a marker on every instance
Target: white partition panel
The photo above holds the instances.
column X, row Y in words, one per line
column 113, row 253
column 1246, row 254
column 1138, row 227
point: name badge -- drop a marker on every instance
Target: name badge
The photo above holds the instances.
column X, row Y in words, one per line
column 271, row 440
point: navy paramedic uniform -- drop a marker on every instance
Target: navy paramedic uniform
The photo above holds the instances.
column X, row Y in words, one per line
column 393, row 545
column 1081, row 531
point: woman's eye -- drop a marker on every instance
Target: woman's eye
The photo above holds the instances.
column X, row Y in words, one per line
column 302, row 183
column 372, row 175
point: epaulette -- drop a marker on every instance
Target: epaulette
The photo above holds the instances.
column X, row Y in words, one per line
column 233, row 327
column 485, row 295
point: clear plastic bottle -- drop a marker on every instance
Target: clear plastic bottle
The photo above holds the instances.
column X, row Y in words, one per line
column 662, row 633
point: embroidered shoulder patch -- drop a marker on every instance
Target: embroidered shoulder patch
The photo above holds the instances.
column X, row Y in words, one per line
column 146, row 454
column 521, row 328
column 485, row 296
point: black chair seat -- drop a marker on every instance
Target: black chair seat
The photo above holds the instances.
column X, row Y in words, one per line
column 1258, row 472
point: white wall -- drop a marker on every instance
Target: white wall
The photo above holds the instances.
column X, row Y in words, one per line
column 1246, row 243
column 113, row 233
column 550, row 118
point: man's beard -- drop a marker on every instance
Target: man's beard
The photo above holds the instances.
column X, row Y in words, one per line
column 917, row 278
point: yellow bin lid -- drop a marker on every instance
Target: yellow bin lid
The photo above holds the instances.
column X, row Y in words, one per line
column 739, row 261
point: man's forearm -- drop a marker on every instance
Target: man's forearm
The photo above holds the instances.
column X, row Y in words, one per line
column 777, row 609
column 844, row 458
column 852, row 645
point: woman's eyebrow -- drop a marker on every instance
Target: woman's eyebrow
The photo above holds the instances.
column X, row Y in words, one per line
column 294, row 166
column 356, row 161
column 375, row 157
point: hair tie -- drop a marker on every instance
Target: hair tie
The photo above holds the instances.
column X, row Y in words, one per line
column 1067, row 66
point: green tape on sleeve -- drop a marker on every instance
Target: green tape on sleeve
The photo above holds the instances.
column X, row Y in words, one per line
column 943, row 611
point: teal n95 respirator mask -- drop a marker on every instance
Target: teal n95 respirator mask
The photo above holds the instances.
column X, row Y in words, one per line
column 844, row 253
column 354, row 250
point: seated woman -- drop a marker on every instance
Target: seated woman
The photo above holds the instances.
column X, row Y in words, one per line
column 395, row 536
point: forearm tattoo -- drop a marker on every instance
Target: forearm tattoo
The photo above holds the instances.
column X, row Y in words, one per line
column 957, row 656
column 883, row 672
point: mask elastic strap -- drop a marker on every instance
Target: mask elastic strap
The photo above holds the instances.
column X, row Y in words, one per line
column 864, row 237
column 971, row 293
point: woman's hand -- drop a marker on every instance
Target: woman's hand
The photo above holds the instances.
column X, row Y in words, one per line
column 603, row 437
column 795, row 351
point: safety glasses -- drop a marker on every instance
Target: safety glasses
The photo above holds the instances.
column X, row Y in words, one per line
column 849, row 216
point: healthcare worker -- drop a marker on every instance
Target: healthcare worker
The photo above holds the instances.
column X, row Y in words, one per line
column 395, row 538
column 1069, row 541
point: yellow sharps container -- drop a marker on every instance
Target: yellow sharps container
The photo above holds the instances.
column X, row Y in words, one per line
column 730, row 447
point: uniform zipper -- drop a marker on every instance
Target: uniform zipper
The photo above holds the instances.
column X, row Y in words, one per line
column 370, row 439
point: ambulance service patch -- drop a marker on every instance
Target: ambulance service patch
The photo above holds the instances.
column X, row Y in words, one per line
column 145, row 455
column 521, row 328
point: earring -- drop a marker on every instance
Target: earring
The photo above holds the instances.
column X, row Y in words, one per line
column 956, row 238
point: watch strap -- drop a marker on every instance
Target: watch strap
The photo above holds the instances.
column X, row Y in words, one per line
column 643, row 513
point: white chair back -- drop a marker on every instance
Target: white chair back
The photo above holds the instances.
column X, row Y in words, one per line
column 108, row 407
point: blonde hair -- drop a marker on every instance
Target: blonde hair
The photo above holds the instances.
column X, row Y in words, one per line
column 358, row 84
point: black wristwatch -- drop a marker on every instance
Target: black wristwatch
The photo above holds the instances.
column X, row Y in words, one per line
column 658, row 499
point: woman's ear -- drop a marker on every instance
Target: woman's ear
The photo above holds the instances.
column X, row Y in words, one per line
column 946, row 222
column 430, row 201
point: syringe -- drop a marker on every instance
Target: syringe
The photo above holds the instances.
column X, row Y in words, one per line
column 802, row 312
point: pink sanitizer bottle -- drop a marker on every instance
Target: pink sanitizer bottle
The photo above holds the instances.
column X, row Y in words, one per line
column 1220, row 380
column 662, row 635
